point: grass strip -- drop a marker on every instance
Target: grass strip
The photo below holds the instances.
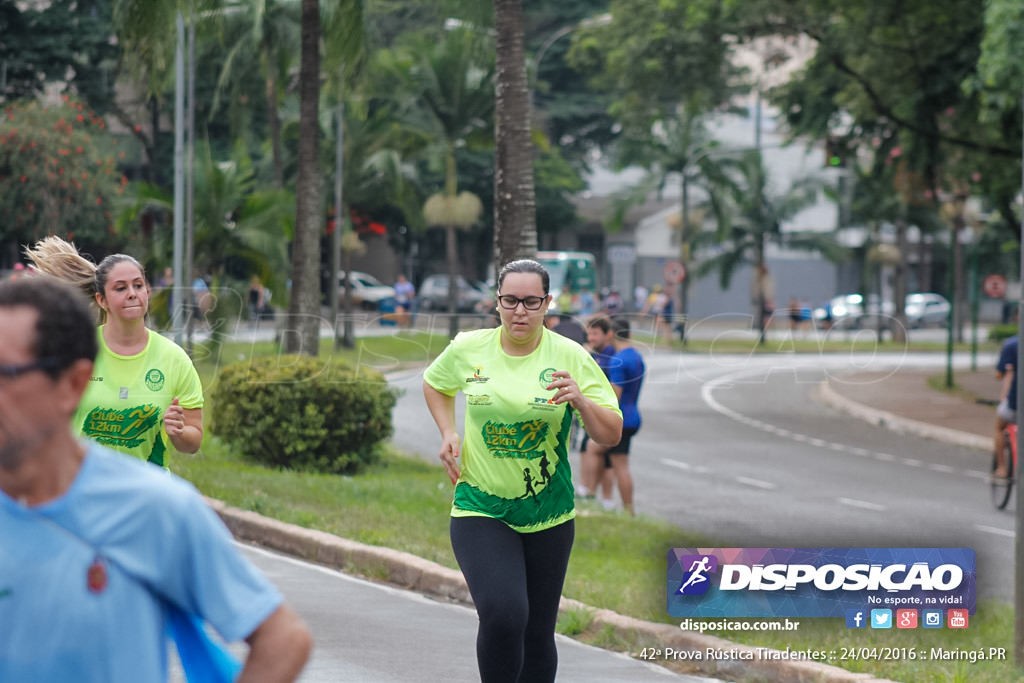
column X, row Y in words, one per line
column 618, row 562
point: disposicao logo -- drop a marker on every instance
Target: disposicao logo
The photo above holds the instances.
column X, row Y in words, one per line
column 696, row 580
column 816, row 582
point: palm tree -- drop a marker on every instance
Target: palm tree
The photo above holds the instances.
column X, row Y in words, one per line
column 515, row 212
column 266, row 31
column 447, row 94
column 754, row 216
column 680, row 150
column 235, row 221
column 304, row 305
column 376, row 176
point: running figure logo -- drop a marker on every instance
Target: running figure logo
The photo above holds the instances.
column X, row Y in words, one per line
column 695, row 581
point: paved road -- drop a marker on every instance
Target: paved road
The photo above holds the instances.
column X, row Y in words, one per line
column 366, row 631
column 737, row 448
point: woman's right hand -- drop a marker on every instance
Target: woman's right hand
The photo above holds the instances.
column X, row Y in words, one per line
column 449, row 452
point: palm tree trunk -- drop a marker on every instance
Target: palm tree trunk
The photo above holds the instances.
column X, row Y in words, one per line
column 304, row 305
column 899, row 281
column 763, row 294
column 684, row 257
column 273, row 118
column 515, row 214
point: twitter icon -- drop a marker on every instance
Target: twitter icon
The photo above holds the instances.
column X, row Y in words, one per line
column 881, row 618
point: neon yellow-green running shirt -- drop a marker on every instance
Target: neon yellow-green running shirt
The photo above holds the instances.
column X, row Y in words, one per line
column 124, row 404
column 514, row 457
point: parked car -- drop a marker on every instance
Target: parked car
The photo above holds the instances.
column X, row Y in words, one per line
column 851, row 311
column 926, row 308
column 367, row 291
column 433, row 294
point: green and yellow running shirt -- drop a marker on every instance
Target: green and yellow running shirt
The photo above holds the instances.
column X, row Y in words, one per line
column 514, row 458
column 124, row 404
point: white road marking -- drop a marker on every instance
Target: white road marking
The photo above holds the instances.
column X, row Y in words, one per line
column 679, row 464
column 862, row 504
column 757, row 483
column 729, row 380
column 995, row 530
column 676, row 463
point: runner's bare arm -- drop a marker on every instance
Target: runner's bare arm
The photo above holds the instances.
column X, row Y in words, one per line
column 278, row 649
column 442, row 409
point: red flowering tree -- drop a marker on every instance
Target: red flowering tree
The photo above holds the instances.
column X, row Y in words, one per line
column 58, row 172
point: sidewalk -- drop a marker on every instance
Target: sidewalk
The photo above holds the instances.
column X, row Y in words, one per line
column 903, row 401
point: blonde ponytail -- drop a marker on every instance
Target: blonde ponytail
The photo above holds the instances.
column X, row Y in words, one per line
column 60, row 259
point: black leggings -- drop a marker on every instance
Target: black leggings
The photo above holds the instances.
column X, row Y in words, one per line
column 516, row 582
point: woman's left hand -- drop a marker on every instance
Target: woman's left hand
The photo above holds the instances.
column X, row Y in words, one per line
column 174, row 419
column 568, row 390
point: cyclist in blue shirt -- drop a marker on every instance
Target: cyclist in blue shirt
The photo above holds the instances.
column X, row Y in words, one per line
column 1006, row 412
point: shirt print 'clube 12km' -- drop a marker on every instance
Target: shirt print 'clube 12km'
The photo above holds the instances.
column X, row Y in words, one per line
column 127, row 396
column 515, row 464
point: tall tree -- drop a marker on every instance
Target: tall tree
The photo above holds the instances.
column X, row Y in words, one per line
column 266, row 32
column 446, row 91
column 654, row 55
column 677, row 149
column 302, row 335
column 754, row 218
column 515, row 212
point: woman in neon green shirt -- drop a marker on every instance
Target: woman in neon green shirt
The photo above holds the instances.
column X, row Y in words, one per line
column 144, row 385
column 512, row 515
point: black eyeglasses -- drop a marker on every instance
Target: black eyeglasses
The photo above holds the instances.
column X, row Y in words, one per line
column 530, row 303
column 13, row 371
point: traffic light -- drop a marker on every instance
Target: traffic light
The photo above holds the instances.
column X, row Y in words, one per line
column 835, row 152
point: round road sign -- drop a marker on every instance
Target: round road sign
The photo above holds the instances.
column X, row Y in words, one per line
column 675, row 272
column 995, row 286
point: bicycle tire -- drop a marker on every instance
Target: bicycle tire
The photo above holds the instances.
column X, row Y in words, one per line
column 1001, row 489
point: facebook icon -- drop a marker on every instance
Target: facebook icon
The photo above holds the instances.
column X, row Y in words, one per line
column 855, row 618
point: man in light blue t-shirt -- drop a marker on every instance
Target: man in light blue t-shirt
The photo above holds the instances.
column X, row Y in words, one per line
column 101, row 552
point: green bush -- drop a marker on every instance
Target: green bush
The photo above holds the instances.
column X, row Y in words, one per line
column 303, row 413
column 999, row 333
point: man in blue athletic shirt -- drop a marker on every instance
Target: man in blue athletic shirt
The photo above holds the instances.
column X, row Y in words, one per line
column 100, row 550
column 626, row 373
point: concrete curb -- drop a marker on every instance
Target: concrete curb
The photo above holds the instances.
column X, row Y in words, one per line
column 899, row 424
column 403, row 569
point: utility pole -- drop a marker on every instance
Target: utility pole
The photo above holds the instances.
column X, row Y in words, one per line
column 179, row 185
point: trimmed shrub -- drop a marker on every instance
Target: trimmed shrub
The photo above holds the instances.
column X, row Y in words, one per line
column 303, row 413
column 1000, row 333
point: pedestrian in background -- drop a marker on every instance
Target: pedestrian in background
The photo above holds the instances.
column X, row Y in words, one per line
column 762, row 296
column 144, row 386
column 103, row 554
column 405, row 298
column 512, row 517
column 612, row 303
column 640, row 294
column 256, row 301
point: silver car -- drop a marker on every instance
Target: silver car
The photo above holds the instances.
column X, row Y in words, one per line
column 926, row 308
column 433, row 294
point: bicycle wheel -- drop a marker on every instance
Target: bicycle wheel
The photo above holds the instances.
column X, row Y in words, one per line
column 1001, row 488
